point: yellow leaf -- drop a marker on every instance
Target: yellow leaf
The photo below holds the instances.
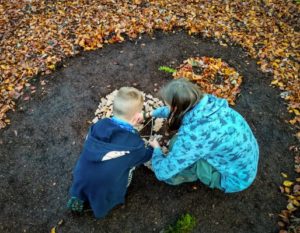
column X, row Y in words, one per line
column 291, row 197
column 296, row 203
column 10, row 88
column 4, row 67
column 296, row 111
column 287, row 183
column 52, row 67
column 53, row 230
column 61, row 12
column 290, row 207
column 280, row 84
column 274, row 82
column 284, row 175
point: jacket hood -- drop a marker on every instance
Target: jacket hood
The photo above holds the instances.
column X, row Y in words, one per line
column 207, row 106
column 98, row 146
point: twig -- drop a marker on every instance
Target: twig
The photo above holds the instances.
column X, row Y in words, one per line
column 146, row 124
column 148, row 136
column 151, row 128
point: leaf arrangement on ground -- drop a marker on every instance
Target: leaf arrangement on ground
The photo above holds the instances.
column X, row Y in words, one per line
column 35, row 36
column 213, row 76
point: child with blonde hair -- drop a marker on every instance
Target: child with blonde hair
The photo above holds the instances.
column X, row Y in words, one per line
column 113, row 148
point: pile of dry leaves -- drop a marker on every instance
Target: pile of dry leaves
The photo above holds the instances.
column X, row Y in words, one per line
column 213, row 75
column 35, row 35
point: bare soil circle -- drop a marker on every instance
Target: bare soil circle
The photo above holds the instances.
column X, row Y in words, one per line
column 39, row 149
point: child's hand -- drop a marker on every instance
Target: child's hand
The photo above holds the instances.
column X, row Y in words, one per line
column 154, row 143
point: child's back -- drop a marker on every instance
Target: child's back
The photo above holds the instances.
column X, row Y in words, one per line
column 112, row 148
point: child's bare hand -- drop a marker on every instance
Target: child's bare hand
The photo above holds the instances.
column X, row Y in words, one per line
column 154, row 143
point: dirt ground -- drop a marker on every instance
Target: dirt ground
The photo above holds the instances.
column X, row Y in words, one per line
column 39, row 150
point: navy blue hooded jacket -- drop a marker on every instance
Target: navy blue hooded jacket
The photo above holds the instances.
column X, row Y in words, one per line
column 103, row 184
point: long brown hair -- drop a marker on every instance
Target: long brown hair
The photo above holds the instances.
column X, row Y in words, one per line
column 181, row 95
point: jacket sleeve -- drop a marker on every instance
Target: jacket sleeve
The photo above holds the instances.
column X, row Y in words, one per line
column 146, row 157
column 162, row 112
column 179, row 158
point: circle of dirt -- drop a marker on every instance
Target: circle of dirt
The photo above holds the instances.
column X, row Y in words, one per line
column 39, row 150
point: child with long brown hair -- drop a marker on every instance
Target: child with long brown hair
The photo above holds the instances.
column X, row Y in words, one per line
column 213, row 144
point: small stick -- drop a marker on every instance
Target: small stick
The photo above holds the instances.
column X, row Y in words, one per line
column 151, row 127
column 146, row 124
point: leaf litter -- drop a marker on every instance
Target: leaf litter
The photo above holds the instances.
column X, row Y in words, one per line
column 36, row 35
column 212, row 75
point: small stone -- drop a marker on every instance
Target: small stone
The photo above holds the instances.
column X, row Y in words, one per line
column 155, row 90
column 281, row 224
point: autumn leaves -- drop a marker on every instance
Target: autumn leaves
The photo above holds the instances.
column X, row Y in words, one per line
column 37, row 35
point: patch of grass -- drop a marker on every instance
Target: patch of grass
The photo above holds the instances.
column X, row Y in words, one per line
column 185, row 224
column 167, row 69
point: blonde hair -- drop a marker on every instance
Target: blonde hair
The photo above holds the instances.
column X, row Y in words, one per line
column 127, row 102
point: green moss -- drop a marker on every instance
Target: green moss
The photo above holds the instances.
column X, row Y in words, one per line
column 167, row 69
column 185, row 224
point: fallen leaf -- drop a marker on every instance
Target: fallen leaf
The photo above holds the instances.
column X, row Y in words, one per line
column 288, row 183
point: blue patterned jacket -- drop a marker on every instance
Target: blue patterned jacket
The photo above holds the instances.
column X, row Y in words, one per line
column 216, row 133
